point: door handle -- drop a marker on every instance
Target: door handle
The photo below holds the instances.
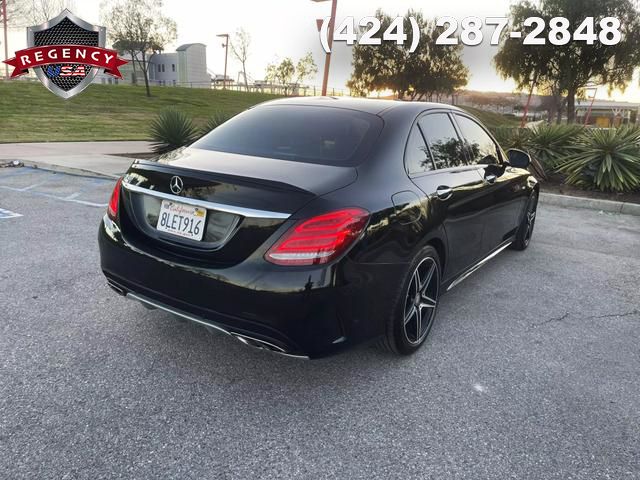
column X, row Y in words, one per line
column 490, row 178
column 444, row 193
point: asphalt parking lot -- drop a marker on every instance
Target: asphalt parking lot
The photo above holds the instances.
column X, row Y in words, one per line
column 531, row 371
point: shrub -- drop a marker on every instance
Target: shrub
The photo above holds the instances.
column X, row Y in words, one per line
column 607, row 160
column 512, row 137
column 171, row 130
column 217, row 119
column 552, row 144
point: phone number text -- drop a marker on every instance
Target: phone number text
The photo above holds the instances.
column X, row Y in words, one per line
column 471, row 31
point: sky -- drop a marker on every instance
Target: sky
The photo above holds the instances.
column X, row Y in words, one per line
column 287, row 28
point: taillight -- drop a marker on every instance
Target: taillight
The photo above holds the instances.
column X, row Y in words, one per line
column 112, row 209
column 319, row 239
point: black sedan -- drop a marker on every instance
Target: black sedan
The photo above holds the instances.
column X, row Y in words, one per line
column 303, row 226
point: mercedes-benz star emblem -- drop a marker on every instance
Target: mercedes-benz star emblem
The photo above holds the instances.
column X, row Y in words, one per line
column 176, row 185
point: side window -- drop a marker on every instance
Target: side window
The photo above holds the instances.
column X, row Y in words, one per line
column 417, row 157
column 481, row 147
column 446, row 147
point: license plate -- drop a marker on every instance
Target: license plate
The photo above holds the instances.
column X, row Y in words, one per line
column 182, row 220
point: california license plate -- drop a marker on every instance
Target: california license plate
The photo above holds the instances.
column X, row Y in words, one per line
column 182, row 220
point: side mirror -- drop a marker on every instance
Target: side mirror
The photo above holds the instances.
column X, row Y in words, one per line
column 518, row 158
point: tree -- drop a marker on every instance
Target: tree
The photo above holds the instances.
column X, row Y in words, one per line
column 140, row 28
column 285, row 72
column 568, row 69
column 305, row 68
column 240, row 49
column 429, row 71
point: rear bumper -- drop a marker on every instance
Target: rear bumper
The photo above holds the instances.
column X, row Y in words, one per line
column 295, row 311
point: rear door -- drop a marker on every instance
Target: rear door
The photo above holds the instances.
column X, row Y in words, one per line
column 506, row 188
column 437, row 164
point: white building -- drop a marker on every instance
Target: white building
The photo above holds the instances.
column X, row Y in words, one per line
column 186, row 67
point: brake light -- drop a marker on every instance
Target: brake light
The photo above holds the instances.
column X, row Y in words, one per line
column 114, row 201
column 319, row 239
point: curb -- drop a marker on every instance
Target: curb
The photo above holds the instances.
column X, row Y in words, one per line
column 590, row 203
column 68, row 170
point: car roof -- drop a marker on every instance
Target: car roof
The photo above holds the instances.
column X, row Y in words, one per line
column 367, row 105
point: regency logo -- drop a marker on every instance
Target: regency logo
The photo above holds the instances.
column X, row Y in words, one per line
column 66, row 54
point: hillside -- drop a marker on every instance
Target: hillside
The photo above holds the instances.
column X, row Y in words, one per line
column 491, row 119
column 31, row 113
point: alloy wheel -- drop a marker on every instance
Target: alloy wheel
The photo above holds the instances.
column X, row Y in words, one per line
column 421, row 301
column 530, row 219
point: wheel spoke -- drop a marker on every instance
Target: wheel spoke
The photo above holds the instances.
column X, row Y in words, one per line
column 416, row 280
column 418, row 323
column 409, row 316
column 427, row 302
column 427, row 280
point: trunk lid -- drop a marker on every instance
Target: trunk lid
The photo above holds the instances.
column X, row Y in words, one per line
column 246, row 198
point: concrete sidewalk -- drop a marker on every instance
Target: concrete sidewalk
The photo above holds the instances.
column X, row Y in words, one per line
column 92, row 158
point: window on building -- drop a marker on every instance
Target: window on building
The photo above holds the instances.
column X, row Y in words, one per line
column 163, row 68
column 159, row 68
column 173, row 67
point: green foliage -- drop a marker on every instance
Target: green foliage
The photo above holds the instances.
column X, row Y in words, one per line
column 568, row 69
column 512, row 137
column 607, row 160
column 285, row 72
column 214, row 121
column 170, row 130
column 492, row 119
column 430, row 71
column 551, row 144
column 106, row 112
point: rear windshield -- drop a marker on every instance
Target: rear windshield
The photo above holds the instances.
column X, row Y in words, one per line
column 325, row 135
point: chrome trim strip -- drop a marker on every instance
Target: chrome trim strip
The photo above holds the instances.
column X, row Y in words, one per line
column 178, row 313
column 244, row 339
column 475, row 267
column 245, row 212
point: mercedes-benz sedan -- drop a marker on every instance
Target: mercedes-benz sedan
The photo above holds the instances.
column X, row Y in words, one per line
column 307, row 225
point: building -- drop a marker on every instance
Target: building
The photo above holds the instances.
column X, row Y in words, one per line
column 607, row 113
column 186, row 67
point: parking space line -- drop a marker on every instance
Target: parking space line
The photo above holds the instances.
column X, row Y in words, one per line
column 8, row 214
column 48, row 195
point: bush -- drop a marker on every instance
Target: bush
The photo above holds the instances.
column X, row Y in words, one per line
column 171, row 130
column 607, row 160
column 512, row 137
column 217, row 119
column 552, row 144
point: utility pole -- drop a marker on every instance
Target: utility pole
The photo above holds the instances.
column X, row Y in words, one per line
column 226, row 57
column 4, row 28
column 327, row 61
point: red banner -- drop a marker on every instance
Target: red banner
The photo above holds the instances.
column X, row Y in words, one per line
column 51, row 54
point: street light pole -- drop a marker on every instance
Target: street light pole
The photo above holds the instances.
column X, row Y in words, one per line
column 327, row 61
column 6, row 47
column 226, row 56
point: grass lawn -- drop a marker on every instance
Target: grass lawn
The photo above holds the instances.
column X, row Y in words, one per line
column 493, row 120
column 31, row 113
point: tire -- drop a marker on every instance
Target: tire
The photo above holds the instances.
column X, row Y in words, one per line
column 525, row 230
column 406, row 331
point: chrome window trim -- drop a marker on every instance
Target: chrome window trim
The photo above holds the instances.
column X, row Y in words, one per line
column 245, row 212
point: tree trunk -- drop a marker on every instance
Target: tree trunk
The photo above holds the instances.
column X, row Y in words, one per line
column 134, row 80
column 244, row 73
column 571, row 106
column 145, row 71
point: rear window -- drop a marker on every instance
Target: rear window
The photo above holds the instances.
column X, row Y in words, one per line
column 325, row 135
